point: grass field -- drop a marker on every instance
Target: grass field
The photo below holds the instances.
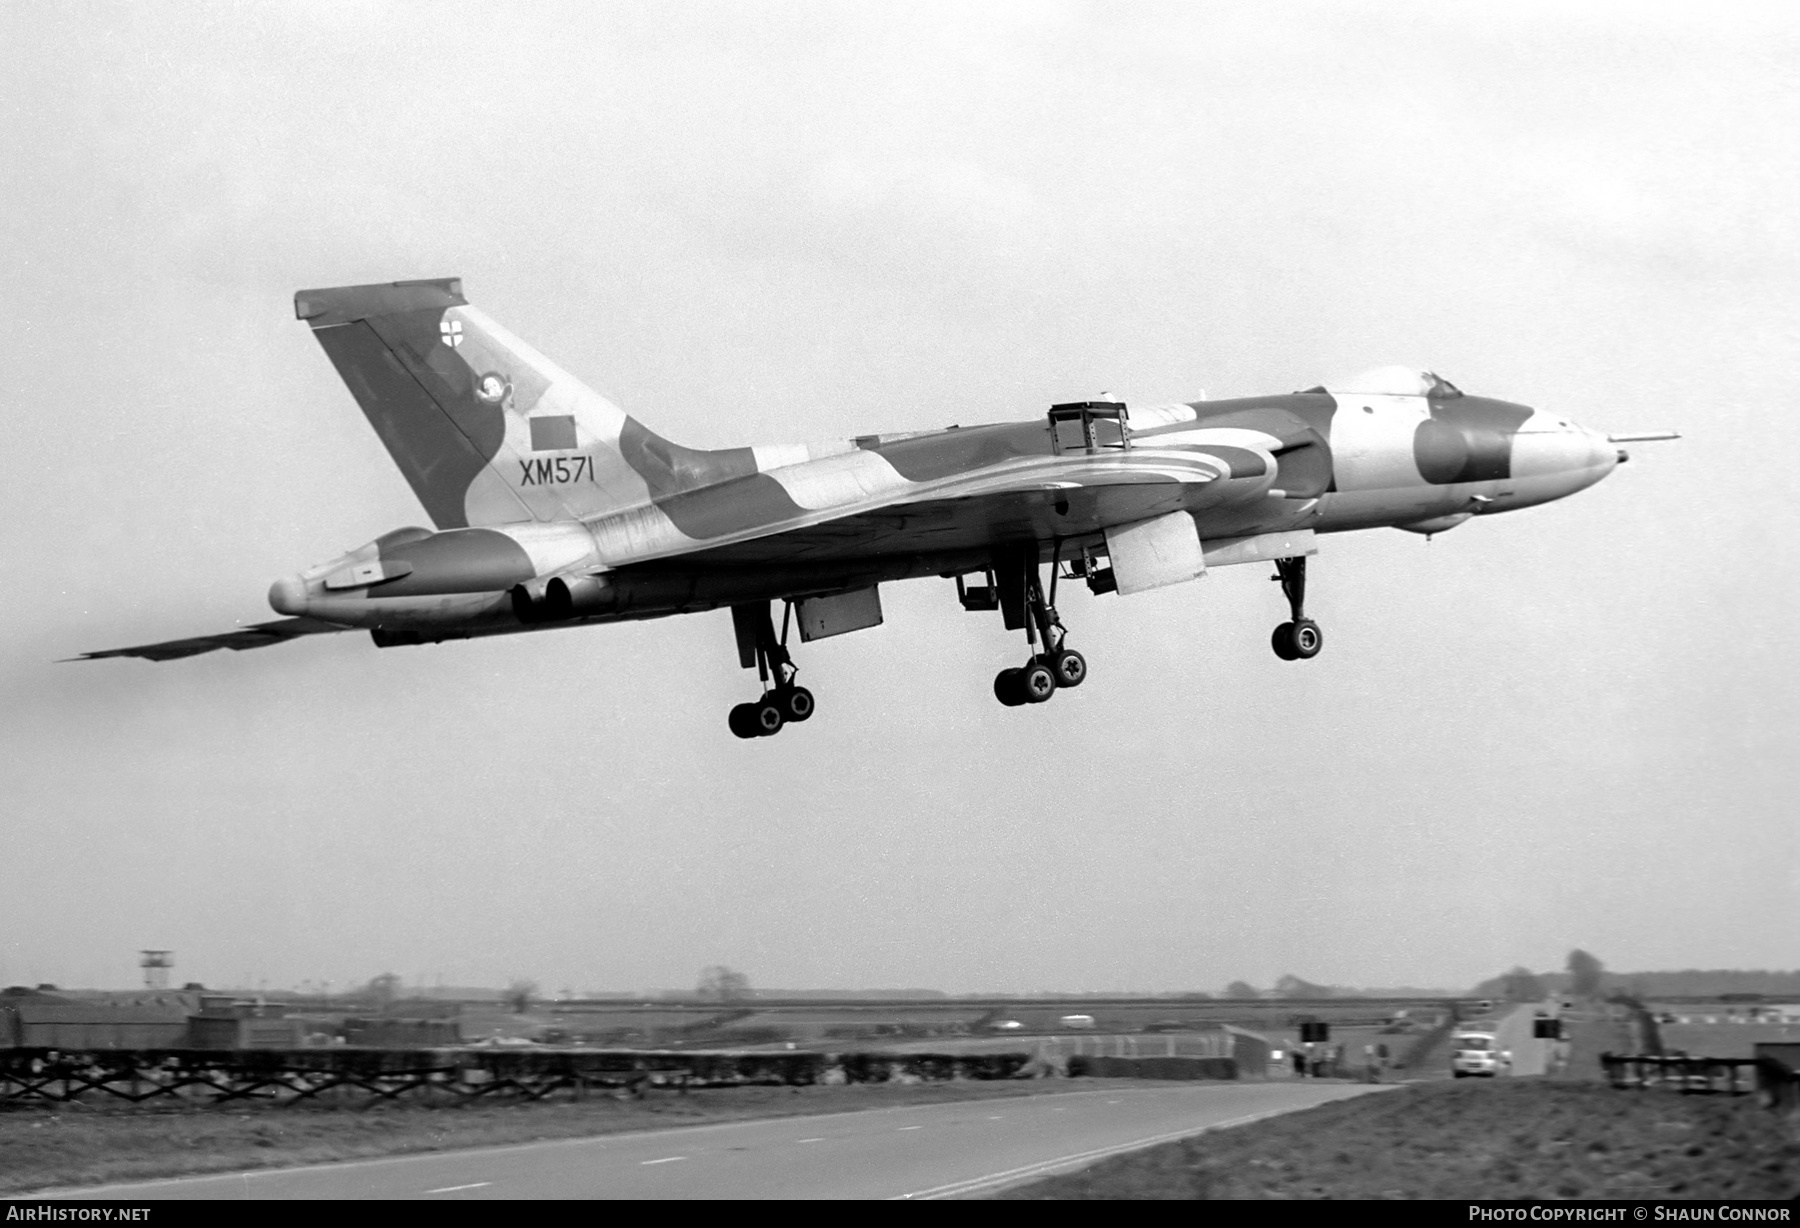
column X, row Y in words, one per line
column 43, row 1148
column 1723, row 1039
column 1524, row 1138
column 1589, row 1038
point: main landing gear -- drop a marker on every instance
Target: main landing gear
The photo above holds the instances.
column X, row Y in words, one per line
column 1299, row 639
column 1053, row 665
column 783, row 701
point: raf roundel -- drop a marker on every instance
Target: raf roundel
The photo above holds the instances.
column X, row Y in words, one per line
column 452, row 332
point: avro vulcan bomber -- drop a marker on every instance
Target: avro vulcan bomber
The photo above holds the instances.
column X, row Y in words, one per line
column 552, row 507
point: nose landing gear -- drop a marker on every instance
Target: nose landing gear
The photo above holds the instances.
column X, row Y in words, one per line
column 784, row 702
column 1299, row 639
column 1055, row 666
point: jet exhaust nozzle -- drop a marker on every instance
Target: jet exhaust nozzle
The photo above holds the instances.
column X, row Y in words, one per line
column 288, row 595
column 560, row 598
column 530, row 602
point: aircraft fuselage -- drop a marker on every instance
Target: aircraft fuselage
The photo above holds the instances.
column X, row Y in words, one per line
column 1322, row 461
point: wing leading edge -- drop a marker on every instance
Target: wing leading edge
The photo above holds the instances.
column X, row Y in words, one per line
column 1034, row 497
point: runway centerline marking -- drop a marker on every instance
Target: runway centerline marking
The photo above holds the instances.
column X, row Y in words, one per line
column 1045, row 1168
column 812, row 1140
column 664, row 1160
column 451, row 1189
column 903, row 1129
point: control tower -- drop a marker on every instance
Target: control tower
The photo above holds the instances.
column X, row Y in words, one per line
column 156, row 965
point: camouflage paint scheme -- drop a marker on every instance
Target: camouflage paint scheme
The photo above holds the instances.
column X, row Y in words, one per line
column 553, row 506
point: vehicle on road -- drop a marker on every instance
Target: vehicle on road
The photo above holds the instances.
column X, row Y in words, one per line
column 552, row 507
column 1478, row 1055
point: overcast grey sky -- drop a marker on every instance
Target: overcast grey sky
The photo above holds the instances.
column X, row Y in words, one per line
column 1575, row 725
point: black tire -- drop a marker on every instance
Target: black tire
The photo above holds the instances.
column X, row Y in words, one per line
column 1307, row 639
column 797, row 704
column 769, row 719
column 1069, row 666
column 1007, row 689
column 1037, row 682
column 1282, row 641
column 743, row 721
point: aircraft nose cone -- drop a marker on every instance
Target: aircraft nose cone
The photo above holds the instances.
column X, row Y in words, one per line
column 288, row 595
column 1605, row 455
column 1560, row 458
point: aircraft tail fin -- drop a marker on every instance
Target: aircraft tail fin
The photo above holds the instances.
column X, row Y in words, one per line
column 484, row 428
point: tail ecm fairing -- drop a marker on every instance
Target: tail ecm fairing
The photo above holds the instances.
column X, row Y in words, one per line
column 487, row 430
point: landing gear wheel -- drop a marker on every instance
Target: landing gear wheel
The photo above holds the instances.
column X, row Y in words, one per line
column 1069, row 666
column 1037, row 682
column 1007, row 689
column 743, row 721
column 1307, row 639
column 1299, row 639
column 768, row 717
column 796, row 704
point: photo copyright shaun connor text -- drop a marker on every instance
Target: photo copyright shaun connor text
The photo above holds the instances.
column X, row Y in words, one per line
column 1632, row 1215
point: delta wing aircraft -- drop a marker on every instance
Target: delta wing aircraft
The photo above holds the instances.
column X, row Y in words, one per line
column 553, row 507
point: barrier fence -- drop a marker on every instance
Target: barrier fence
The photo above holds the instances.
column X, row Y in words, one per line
column 1154, row 1067
column 351, row 1077
column 1732, row 1075
column 1169, row 1044
column 1773, row 1074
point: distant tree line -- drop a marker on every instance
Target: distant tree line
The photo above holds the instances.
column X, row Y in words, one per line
column 1585, row 976
column 721, row 984
column 1298, row 989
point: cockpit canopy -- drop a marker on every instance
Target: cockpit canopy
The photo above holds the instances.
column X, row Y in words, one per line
column 1396, row 381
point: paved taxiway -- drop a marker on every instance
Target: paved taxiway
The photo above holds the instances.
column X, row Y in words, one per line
column 939, row 1150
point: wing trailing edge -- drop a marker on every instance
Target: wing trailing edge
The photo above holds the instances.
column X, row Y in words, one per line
column 258, row 635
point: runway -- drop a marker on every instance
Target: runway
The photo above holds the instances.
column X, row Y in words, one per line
column 921, row 1151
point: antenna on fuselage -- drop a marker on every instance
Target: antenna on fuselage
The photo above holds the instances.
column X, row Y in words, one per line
column 1640, row 437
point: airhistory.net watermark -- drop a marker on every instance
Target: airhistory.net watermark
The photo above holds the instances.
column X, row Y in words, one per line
column 60, row 1213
